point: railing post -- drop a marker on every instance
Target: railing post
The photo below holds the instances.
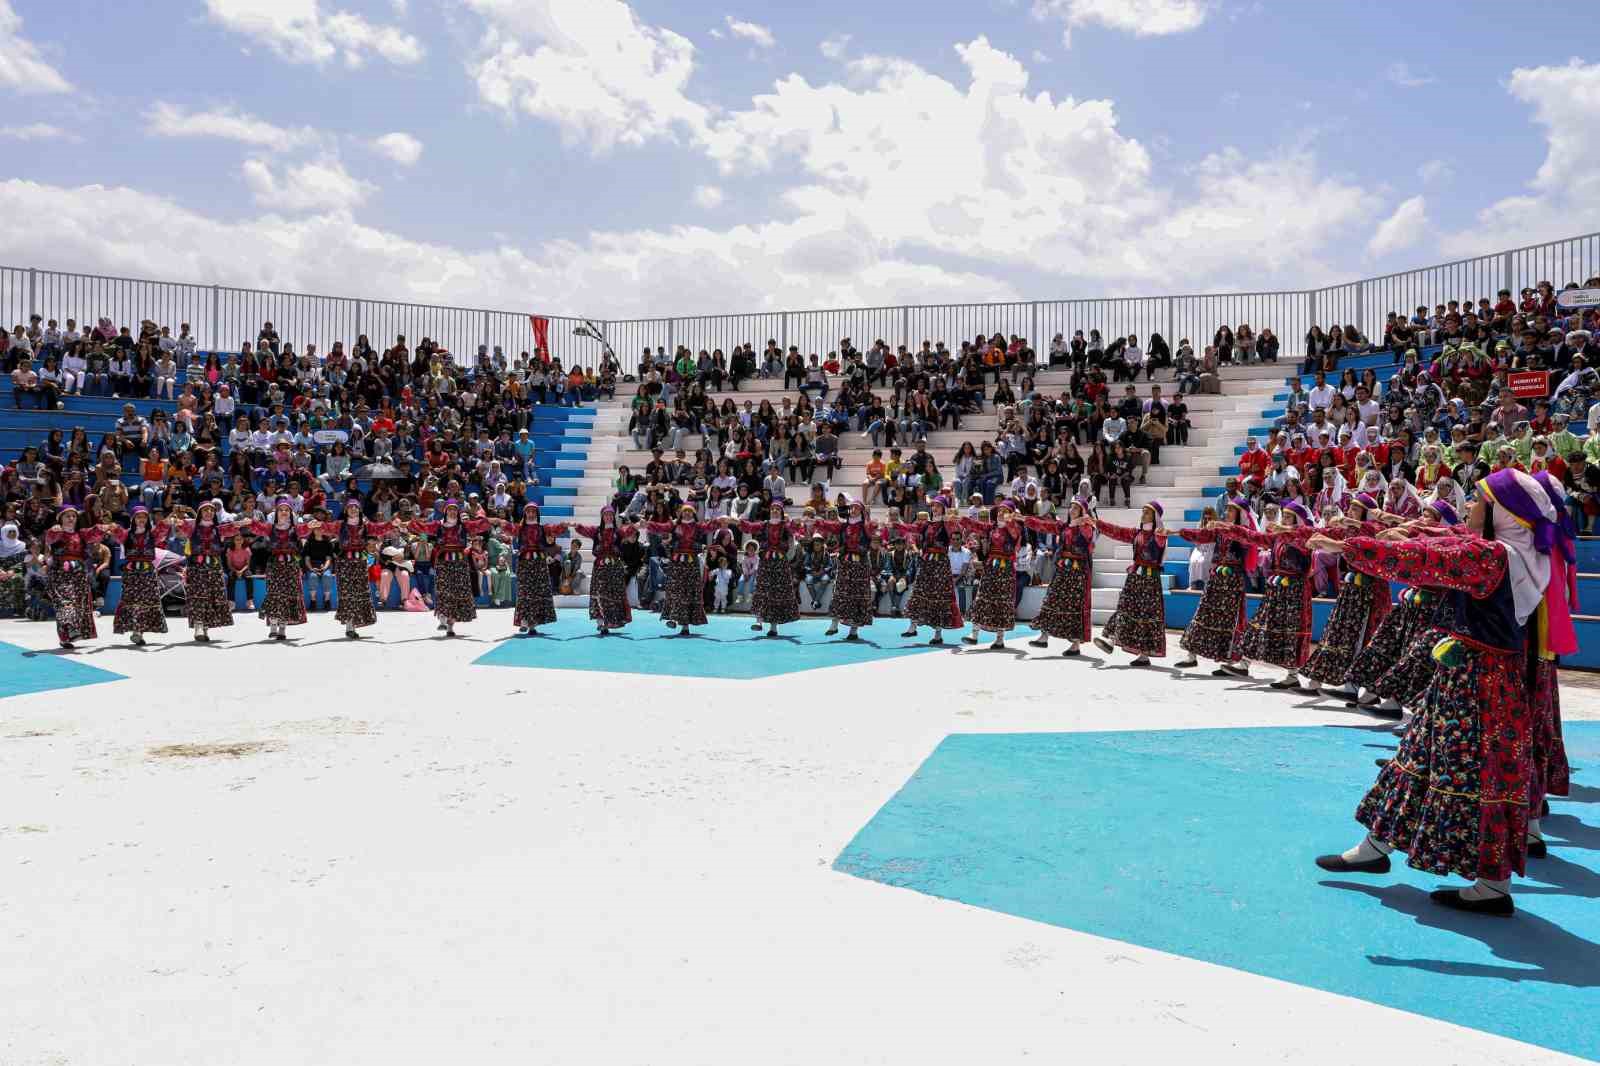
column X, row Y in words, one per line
column 33, row 292
column 672, row 338
column 1505, row 269
column 485, row 340
column 905, row 326
column 783, row 331
column 1361, row 308
column 358, row 321
column 216, row 316
column 1033, row 330
column 1170, row 338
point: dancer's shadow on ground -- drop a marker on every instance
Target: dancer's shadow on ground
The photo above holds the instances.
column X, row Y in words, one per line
column 989, row 649
column 1567, row 828
column 1583, row 794
column 1105, row 664
column 1541, row 950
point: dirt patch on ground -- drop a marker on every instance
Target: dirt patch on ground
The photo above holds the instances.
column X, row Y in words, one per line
column 230, row 750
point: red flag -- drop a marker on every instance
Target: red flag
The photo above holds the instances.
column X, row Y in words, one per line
column 541, row 334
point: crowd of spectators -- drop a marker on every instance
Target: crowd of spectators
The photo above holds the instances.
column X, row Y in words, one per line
column 1445, row 413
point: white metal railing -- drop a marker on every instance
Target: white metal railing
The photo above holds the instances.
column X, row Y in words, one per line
column 222, row 317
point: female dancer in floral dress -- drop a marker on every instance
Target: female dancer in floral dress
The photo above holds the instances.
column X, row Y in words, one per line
column 1139, row 624
column 70, row 590
column 1455, row 798
column 1066, row 611
column 350, row 568
column 205, row 587
column 608, row 584
column 139, row 611
column 852, row 587
column 933, row 597
column 1280, row 631
column 1361, row 607
column 777, row 596
column 537, row 551
column 285, row 604
column 454, row 599
column 995, row 609
column 1394, row 669
column 1219, row 619
column 685, row 604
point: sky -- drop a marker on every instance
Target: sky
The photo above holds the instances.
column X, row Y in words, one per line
column 674, row 157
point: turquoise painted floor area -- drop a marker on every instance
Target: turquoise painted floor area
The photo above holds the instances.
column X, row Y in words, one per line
column 23, row 671
column 1200, row 843
column 725, row 648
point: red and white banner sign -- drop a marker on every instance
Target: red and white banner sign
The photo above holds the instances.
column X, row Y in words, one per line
column 1530, row 384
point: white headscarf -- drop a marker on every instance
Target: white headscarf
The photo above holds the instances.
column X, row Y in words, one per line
column 10, row 545
column 1528, row 569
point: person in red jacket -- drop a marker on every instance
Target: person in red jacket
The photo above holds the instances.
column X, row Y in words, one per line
column 1255, row 460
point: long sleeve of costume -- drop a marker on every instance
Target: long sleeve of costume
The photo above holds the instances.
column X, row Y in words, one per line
column 830, row 528
column 116, row 533
column 586, row 531
column 1114, row 531
column 974, row 525
column 418, row 525
column 1043, row 525
column 1473, row 566
column 379, row 529
column 659, row 528
column 1199, row 536
column 476, row 526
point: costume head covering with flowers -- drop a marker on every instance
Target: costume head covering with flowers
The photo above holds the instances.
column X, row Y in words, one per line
column 1525, row 522
column 1298, row 509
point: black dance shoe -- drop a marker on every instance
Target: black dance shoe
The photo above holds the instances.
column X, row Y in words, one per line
column 1537, row 848
column 1187, row 664
column 1103, row 644
column 1496, row 906
column 1340, row 865
column 1284, row 684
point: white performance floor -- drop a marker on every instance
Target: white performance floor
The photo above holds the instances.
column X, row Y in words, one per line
column 382, row 853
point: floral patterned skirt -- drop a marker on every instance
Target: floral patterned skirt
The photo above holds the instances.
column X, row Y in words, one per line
column 355, row 593
column 685, row 603
column 608, row 593
column 1216, row 621
column 285, row 604
column 1455, row 796
column 536, row 605
column 852, row 593
column 1346, row 632
column 1139, row 624
column 1551, row 773
column 73, row 597
column 454, row 597
column 1064, row 614
column 1280, row 631
column 1395, row 636
column 777, row 597
column 205, row 591
column 995, row 608
column 933, row 596
column 139, row 610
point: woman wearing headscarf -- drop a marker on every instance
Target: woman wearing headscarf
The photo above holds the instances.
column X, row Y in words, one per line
column 684, row 605
column 13, row 564
column 1359, row 610
column 995, row 609
column 1280, row 631
column 1455, row 798
column 537, row 551
column 205, row 586
column 285, row 603
column 852, row 589
column 776, row 599
column 1066, row 612
column 608, row 584
column 933, row 596
column 1218, row 621
column 139, row 610
column 70, row 590
column 1139, row 624
column 454, row 599
column 350, row 568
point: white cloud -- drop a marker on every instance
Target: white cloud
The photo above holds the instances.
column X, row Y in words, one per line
column 1435, row 170
column 1054, row 183
column 400, row 147
column 589, row 66
column 1401, row 230
column 22, row 68
column 36, row 131
column 300, row 31
column 165, row 119
column 316, row 186
column 708, row 196
column 1142, row 18
column 1402, row 75
column 755, row 33
column 834, row 47
column 1563, row 197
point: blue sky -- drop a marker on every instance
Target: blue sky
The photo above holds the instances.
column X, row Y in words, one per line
column 674, row 156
